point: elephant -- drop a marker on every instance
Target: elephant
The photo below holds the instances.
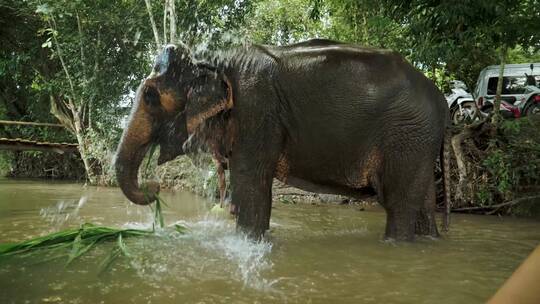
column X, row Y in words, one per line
column 319, row 115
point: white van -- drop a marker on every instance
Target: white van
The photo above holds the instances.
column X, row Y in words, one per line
column 520, row 91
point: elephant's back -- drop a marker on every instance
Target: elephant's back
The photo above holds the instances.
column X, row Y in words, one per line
column 344, row 101
column 342, row 85
column 343, row 82
column 316, row 47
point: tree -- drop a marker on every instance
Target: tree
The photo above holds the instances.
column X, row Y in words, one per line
column 203, row 24
column 516, row 23
column 83, row 59
column 97, row 46
column 22, row 62
column 285, row 22
column 465, row 36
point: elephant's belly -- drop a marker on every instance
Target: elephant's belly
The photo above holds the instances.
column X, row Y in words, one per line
column 355, row 183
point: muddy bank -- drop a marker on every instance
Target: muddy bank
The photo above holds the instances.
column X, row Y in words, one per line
column 46, row 165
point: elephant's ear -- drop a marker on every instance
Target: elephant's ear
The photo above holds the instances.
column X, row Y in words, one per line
column 211, row 95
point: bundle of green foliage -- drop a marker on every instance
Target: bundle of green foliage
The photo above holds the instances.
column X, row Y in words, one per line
column 73, row 243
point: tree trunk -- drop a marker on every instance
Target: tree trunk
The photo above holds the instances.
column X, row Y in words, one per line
column 79, row 134
column 153, row 23
column 457, row 142
column 172, row 21
column 165, row 11
column 71, row 114
column 497, row 104
column 366, row 32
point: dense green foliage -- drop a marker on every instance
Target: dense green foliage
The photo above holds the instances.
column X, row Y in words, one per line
column 512, row 167
column 80, row 62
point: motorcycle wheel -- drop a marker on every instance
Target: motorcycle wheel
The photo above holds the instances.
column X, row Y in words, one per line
column 533, row 109
column 467, row 113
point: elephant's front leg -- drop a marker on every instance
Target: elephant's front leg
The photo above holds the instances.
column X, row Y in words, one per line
column 251, row 182
column 258, row 141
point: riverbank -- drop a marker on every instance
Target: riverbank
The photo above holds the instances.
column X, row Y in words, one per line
column 493, row 171
column 198, row 175
column 43, row 165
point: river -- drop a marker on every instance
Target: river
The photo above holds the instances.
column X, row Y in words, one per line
column 314, row 253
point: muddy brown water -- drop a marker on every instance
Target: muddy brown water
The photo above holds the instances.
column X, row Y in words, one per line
column 314, row 254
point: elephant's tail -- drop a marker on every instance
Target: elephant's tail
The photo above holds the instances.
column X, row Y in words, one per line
column 445, row 167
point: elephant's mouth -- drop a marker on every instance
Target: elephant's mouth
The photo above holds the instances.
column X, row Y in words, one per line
column 166, row 155
column 169, row 148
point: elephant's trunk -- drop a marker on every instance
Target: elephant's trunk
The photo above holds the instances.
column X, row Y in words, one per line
column 131, row 151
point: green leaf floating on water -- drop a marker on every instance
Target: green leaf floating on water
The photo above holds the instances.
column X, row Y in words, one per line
column 81, row 240
column 84, row 238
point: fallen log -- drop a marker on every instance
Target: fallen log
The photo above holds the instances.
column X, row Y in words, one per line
column 494, row 208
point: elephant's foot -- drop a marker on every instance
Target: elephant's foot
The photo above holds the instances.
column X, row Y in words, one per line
column 255, row 232
column 253, row 220
column 400, row 225
column 233, row 209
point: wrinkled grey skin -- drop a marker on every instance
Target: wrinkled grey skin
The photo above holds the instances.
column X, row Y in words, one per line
column 319, row 115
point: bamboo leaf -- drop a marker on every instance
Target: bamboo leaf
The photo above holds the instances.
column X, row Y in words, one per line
column 83, row 239
column 180, row 229
column 106, row 264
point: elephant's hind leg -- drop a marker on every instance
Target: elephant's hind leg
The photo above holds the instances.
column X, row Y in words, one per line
column 403, row 194
column 425, row 218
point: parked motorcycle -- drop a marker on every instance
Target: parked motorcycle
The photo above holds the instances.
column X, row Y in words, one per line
column 460, row 102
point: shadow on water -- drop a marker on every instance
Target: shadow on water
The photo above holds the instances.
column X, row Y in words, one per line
column 316, row 254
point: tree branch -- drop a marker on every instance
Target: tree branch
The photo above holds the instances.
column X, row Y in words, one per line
column 60, row 55
column 79, row 27
column 497, row 104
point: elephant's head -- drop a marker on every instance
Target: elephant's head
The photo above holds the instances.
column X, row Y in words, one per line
column 170, row 104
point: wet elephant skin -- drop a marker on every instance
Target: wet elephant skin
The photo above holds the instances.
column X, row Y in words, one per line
column 319, row 115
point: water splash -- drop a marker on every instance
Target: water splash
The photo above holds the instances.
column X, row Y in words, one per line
column 211, row 250
column 249, row 256
column 63, row 211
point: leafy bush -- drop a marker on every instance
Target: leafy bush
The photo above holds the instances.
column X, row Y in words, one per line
column 511, row 169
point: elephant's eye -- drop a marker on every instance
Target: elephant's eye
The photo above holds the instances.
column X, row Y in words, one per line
column 151, row 96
